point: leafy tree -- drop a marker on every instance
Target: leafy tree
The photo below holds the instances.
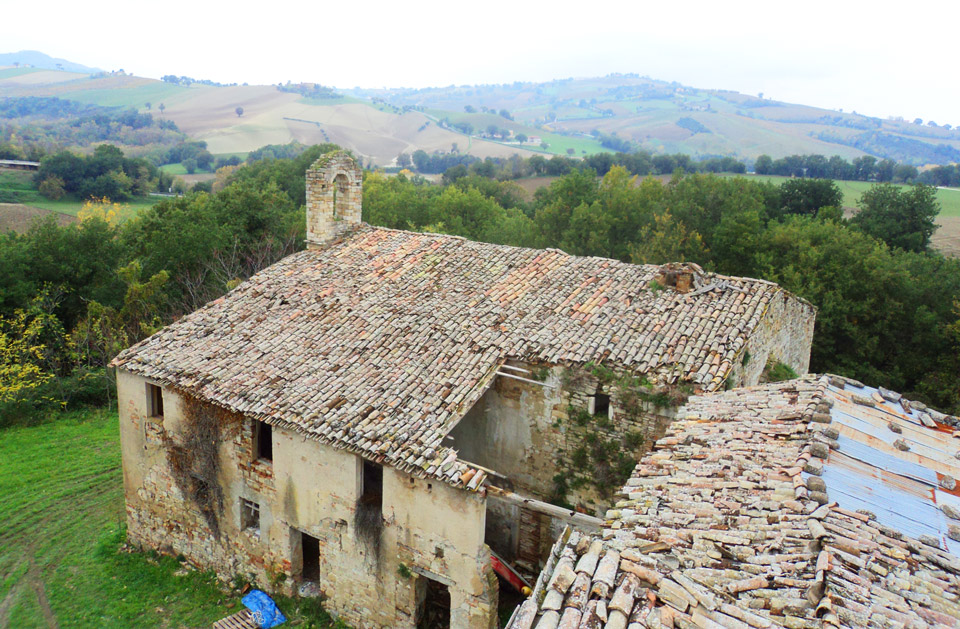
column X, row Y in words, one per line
column 666, row 240
column 902, row 219
column 25, row 352
column 807, row 196
column 521, row 138
column 885, row 170
column 557, row 203
column 239, row 111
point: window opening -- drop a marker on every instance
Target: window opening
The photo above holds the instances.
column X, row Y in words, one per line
column 372, row 484
column 249, row 515
column 263, row 438
column 601, row 404
column 368, row 517
column 154, row 401
column 310, row 547
column 340, row 184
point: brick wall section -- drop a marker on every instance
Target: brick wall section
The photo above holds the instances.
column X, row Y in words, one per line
column 334, row 198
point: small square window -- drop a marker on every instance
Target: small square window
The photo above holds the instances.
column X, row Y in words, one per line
column 154, row 401
column 263, row 440
column 249, row 515
column 601, row 404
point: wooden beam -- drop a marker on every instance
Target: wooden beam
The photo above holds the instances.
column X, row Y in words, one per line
column 575, row 518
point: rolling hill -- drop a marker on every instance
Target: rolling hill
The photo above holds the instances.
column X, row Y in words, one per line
column 568, row 116
column 43, row 61
column 270, row 116
column 669, row 117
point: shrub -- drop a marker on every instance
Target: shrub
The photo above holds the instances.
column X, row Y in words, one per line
column 776, row 371
column 52, row 188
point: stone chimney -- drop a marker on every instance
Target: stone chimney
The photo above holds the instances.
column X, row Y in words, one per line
column 334, row 198
column 683, row 276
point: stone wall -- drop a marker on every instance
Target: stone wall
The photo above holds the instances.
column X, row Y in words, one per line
column 785, row 333
column 524, row 431
column 334, row 198
column 434, row 530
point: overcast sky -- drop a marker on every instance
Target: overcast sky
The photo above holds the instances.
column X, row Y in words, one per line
column 878, row 58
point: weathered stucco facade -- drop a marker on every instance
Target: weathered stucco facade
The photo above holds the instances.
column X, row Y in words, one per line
column 434, row 530
column 367, row 419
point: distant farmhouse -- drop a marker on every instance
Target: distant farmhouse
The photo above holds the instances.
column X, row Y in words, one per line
column 393, row 419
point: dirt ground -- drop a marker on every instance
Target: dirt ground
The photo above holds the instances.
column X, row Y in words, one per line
column 947, row 238
column 19, row 217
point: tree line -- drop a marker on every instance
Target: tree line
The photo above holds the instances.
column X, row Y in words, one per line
column 639, row 162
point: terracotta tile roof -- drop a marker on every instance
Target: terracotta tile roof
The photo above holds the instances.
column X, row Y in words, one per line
column 732, row 521
column 381, row 341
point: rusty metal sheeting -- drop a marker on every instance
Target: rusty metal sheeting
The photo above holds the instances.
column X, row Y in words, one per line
column 869, row 473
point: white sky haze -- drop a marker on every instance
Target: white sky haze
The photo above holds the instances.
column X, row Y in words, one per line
column 878, row 58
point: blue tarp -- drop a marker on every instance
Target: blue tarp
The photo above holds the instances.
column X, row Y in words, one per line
column 264, row 610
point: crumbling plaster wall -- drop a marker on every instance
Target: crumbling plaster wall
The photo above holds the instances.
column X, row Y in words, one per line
column 524, row 431
column 430, row 527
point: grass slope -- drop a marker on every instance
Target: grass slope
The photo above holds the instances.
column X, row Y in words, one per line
column 62, row 560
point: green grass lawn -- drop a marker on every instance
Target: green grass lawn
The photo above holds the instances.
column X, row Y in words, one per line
column 62, row 557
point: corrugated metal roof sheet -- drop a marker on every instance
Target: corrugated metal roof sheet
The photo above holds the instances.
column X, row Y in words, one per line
column 867, row 472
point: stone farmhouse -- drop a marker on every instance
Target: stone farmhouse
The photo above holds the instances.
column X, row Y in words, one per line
column 813, row 503
column 392, row 418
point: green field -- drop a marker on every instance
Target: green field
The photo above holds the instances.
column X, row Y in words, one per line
column 17, row 187
column 949, row 199
column 62, row 557
column 135, row 96
column 6, row 73
column 174, row 169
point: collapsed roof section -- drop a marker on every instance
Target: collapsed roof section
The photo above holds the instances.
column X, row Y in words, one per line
column 779, row 505
column 381, row 341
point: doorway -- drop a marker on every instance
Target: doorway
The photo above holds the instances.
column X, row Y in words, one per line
column 311, row 558
column 433, row 604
